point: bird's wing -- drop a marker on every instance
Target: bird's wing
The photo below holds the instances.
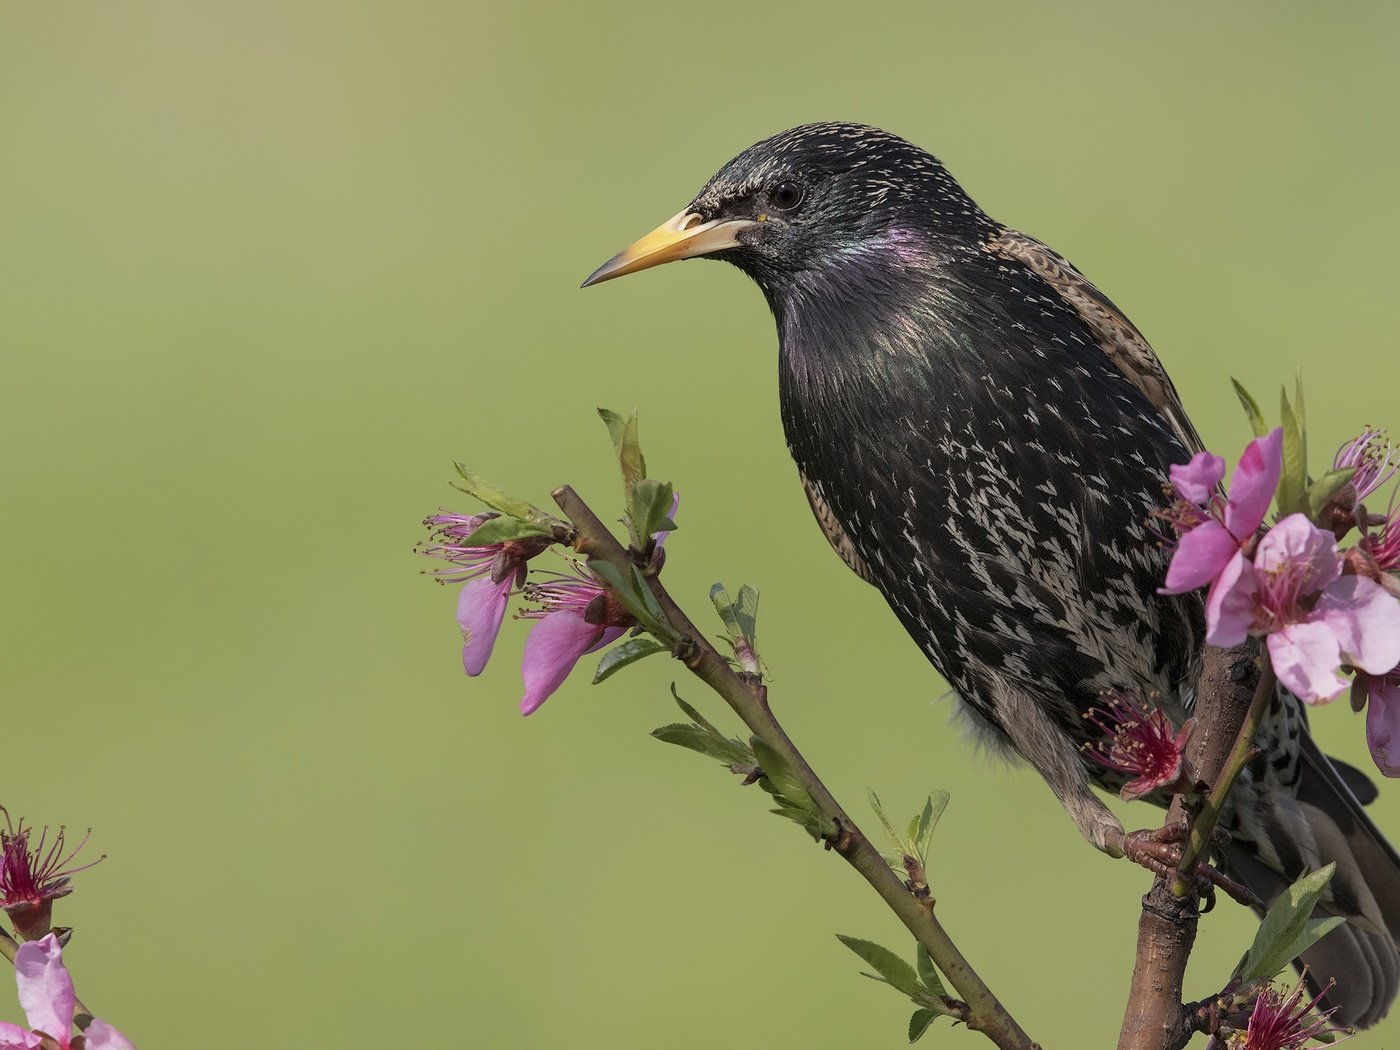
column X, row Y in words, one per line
column 1116, row 335
column 834, row 531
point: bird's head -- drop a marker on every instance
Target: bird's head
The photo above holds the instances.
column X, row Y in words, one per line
column 804, row 200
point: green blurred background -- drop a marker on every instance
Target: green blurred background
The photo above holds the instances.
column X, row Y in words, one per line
column 266, row 269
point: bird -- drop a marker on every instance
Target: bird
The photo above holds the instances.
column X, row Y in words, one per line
column 983, row 435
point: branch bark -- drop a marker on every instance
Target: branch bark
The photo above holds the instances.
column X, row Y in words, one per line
column 1232, row 698
column 748, row 698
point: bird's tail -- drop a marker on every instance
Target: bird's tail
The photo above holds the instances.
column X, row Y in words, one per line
column 1320, row 822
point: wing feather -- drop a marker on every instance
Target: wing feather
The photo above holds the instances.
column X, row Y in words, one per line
column 1118, row 337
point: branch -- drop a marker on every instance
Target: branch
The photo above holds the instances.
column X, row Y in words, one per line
column 1233, row 696
column 748, row 698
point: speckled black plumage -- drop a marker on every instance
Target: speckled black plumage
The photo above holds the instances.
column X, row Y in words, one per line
column 982, row 435
column 990, row 465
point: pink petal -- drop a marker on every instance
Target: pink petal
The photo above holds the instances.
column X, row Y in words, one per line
column 1230, row 603
column 1200, row 557
column 13, row 1037
column 45, row 989
column 1383, row 724
column 610, row 635
column 551, row 650
column 1297, row 540
column 1252, row 487
column 1307, row 658
column 1196, row 481
column 1365, row 620
column 481, row 607
column 102, row 1036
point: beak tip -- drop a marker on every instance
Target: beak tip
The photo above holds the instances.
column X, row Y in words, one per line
column 682, row 236
column 601, row 274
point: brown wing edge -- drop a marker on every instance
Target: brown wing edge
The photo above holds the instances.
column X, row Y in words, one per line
column 1117, row 336
column 834, row 531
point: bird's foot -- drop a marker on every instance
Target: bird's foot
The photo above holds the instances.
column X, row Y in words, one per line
column 1159, row 851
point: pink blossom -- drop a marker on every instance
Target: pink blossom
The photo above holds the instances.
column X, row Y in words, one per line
column 578, row 616
column 1315, row 619
column 489, row 571
column 32, row 879
column 1197, row 481
column 1285, row 1022
column 1372, row 457
column 1382, row 698
column 1213, row 531
column 46, row 993
column 1141, row 742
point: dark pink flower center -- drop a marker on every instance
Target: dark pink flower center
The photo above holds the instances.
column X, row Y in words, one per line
column 1284, row 1022
column 1181, row 516
column 1137, row 741
column 1372, row 457
column 1286, row 595
column 33, row 876
column 588, row 597
column 451, row 541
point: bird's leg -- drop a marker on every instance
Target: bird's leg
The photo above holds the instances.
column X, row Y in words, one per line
column 1056, row 758
column 1159, row 851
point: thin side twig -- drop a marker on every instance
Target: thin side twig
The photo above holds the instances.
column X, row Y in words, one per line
column 748, row 698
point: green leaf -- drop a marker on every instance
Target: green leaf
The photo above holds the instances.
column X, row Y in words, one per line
column 478, row 487
column 694, row 715
column 703, row 737
column 746, row 612
column 782, row 777
column 722, row 749
column 629, row 652
column 629, row 450
column 928, row 974
column 922, row 830
column 504, row 529
column 740, row 624
column 919, row 1024
column 1293, row 482
column 894, row 860
column 719, row 597
column 1298, row 408
column 1251, row 410
column 891, row 968
column 649, row 507
column 1286, row 929
column 1321, row 491
column 813, row 823
column 617, row 426
column 898, row 843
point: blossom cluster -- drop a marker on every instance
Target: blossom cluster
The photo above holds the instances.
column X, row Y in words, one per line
column 32, row 877
column 1324, row 612
column 575, row 612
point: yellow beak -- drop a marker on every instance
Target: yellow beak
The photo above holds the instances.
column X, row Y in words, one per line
column 682, row 236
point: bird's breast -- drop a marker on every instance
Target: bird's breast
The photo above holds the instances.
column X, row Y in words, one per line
column 996, row 484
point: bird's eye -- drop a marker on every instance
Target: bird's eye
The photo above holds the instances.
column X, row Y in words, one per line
column 786, row 194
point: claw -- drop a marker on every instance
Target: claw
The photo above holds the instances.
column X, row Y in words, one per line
column 1159, row 851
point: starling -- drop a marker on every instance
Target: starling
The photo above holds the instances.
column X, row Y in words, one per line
column 982, row 436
